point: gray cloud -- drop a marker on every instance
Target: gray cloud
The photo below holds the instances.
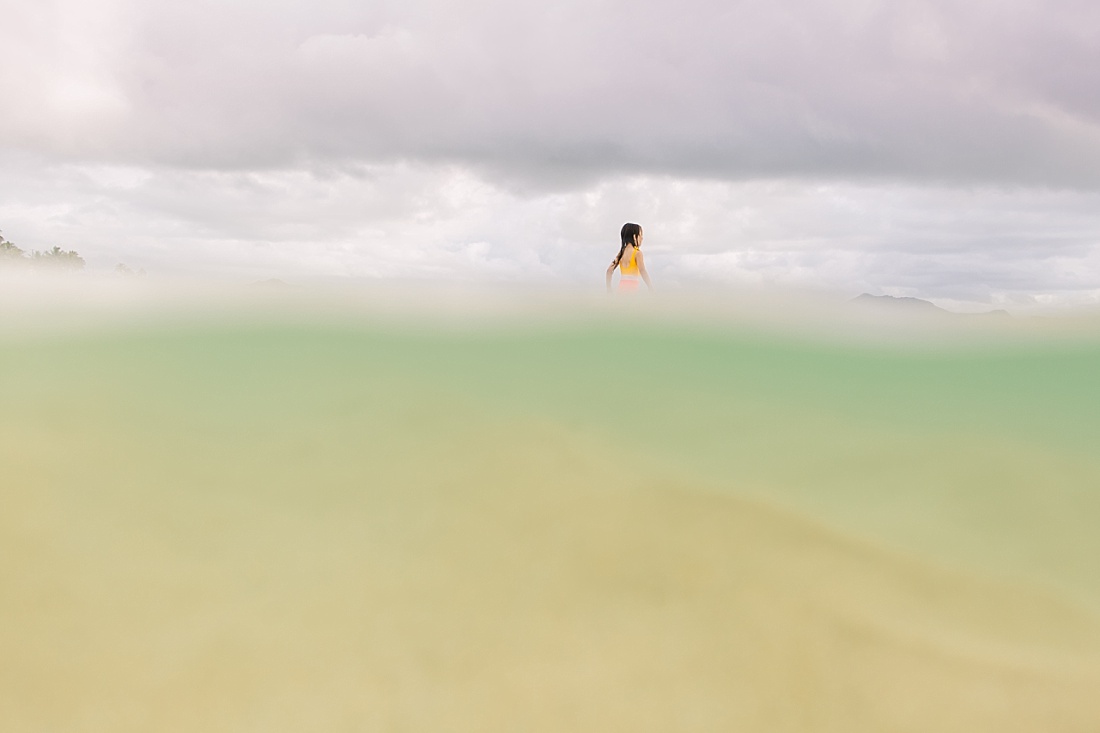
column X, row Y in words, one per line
column 937, row 91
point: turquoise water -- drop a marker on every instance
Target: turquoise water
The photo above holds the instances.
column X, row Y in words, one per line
column 982, row 456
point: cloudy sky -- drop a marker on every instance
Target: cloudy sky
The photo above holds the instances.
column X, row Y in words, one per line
column 932, row 148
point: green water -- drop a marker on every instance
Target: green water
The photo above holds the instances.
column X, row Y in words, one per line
column 976, row 459
column 980, row 458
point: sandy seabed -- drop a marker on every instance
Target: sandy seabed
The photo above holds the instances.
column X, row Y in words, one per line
column 265, row 525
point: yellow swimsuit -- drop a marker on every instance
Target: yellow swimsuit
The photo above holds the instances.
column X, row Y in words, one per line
column 628, row 271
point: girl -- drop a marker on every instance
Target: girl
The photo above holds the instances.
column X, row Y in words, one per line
column 630, row 262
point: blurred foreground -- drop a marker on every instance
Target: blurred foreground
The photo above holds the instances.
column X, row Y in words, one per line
column 269, row 519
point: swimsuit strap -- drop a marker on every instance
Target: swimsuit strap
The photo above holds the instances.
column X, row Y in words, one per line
column 631, row 267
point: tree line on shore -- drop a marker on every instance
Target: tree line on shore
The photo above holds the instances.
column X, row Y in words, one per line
column 55, row 258
column 51, row 259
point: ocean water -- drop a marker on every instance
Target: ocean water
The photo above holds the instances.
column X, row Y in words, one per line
column 334, row 520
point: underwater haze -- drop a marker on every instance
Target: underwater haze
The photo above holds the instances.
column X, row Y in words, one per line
column 269, row 515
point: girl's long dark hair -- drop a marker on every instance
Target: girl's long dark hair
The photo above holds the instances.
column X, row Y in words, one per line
column 628, row 234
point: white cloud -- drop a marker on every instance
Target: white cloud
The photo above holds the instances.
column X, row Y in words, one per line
column 976, row 245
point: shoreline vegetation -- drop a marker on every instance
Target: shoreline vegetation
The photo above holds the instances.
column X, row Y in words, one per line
column 54, row 259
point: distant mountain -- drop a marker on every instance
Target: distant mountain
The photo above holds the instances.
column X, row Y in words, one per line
column 911, row 305
column 915, row 305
